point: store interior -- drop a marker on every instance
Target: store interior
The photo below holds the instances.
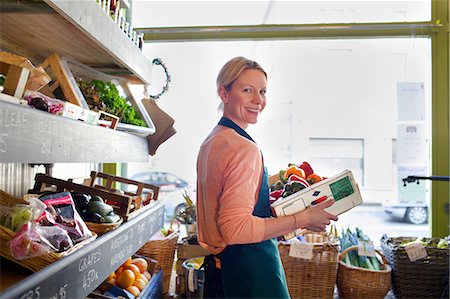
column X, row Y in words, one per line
column 109, row 101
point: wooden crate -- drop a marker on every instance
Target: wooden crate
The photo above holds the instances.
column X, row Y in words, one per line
column 185, row 251
column 62, row 85
column 127, row 206
column 20, row 74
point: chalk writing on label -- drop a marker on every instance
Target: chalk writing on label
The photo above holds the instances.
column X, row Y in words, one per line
column 120, row 240
column 117, row 259
column 3, row 144
column 89, row 278
column 90, row 260
column 46, row 145
column 15, row 119
column 61, row 293
column 32, row 294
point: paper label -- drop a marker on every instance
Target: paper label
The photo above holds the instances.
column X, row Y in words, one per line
column 416, row 251
column 366, row 248
column 303, row 250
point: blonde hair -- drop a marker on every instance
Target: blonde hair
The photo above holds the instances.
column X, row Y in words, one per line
column 233, row 68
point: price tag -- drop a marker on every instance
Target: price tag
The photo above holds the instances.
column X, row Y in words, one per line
column 303, row 250
column 366, row 248
column 416, row 251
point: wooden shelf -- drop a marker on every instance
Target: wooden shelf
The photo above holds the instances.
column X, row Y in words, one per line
column 80, row 30
column 78, row 274
column 32, row 136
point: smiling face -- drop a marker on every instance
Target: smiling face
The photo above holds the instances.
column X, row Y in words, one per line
column 246, row 98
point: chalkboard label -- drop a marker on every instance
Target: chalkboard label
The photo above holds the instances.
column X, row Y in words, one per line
column 78, row 274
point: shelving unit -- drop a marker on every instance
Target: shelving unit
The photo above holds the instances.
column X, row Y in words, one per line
column 78, row 274
column 34, row 136
column 81, row 31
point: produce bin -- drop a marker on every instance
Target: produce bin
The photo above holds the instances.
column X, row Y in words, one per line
column 194, row 277
column 303, row 276
column 424, row 278
column 356, row 282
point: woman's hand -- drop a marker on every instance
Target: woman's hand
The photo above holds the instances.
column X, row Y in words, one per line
column 315, row 218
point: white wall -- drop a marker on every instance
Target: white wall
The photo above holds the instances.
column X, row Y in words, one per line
column 317, row 89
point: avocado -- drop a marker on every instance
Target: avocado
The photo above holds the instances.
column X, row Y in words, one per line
column 99, row 207
column 111, row 218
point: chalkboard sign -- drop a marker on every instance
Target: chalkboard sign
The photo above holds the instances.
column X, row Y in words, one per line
column 28, row 135
column 78, row 274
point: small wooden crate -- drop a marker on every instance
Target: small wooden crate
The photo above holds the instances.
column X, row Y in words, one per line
column 127, row 206
column 139, row 199
column 20, row 74
column 61, row 79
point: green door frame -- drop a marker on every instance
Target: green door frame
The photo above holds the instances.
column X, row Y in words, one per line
column 437, row 29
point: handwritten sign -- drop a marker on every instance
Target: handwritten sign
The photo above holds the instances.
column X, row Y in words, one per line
column 416, row 251
column 366, row 248
column 303, row 250
column 33, row 136
column 79, row 273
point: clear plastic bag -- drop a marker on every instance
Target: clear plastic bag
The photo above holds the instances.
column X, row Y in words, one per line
column 61, row 212
column 34, row 240
column 14, row 217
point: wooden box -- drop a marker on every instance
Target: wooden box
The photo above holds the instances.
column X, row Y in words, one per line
column 125, row 205
column 20, row 74
column 186, row 251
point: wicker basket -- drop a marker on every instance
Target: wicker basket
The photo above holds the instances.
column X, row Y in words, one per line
column 163, row 251
column 102, row 228
column 356, row 282
column 35, row 263
column 313, row 278
column 424, row 278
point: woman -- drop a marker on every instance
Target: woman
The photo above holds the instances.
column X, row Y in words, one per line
column 233, row 212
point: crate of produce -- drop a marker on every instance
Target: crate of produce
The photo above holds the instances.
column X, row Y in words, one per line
column 126, row 205
column 358, row 282
column 136, row 278
column 421, row 278
column 303, row 275
column 33, row 263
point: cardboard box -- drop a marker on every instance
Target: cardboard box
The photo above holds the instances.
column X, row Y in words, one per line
column 342, row 188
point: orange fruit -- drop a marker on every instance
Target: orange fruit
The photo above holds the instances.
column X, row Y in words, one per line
column 135, row 269
column 112, row 275
column 127, row 262
column 126, row 279
column 141, row 263
column 147, row 275
column 140, row 284
column 142, row 276
column 134, row 290
column 119, row 271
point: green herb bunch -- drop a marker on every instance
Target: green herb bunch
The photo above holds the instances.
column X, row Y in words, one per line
column 112, row 101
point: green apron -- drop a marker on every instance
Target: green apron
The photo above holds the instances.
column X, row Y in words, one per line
column 253, row 270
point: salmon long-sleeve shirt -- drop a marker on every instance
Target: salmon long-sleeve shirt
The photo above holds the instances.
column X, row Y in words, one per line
column 229, row 170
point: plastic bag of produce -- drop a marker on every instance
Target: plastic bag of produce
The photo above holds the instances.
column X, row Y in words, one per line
column 61, row 212
column 40, row 101
column 35, row 240
column 14, row 217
